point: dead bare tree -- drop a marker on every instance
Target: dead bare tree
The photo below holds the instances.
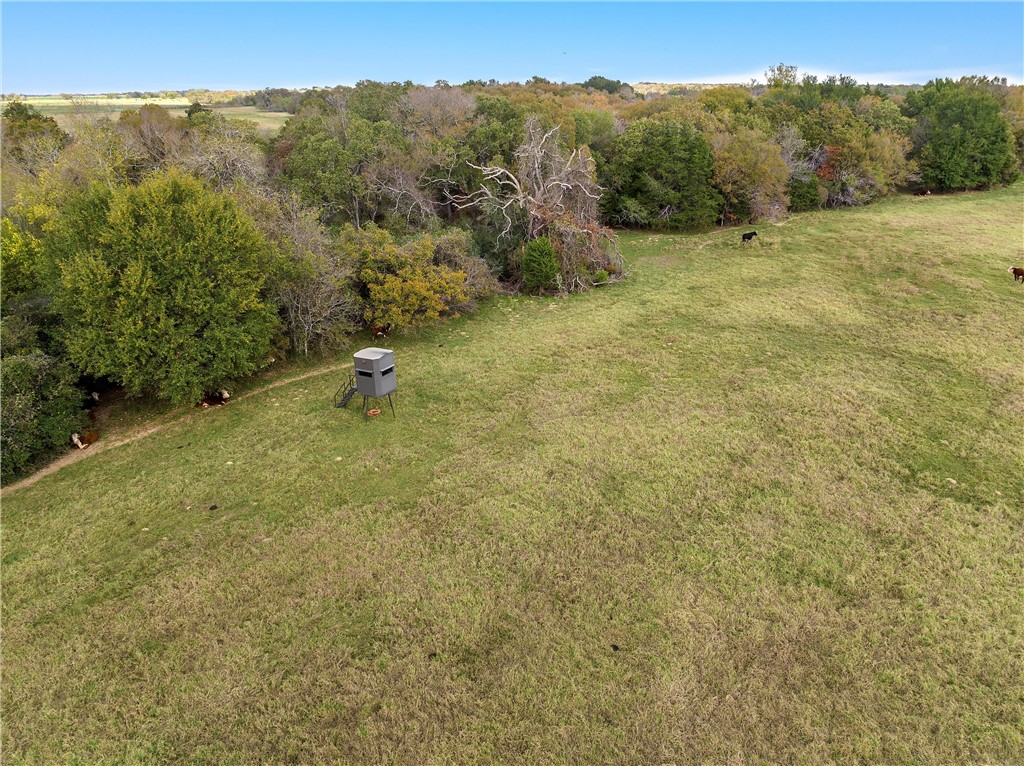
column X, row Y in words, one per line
column 35, row 152
column 99, row 152
column 546, row 184
column 155, row 136
column 316, row 290
column 321, row 303
column 552, row 195
column 222, row 159
column 400, row 179
column 443, row 177
column 435, row 112
column 794, row 151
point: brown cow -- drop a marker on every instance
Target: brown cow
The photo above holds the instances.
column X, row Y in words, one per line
column 87, row 438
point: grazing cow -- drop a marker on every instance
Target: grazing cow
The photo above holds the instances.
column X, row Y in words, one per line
column 215, row 399
column 379, row 331
column 1018, row 273
column 749, row 236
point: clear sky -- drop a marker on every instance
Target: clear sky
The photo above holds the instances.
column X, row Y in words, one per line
column 115, row 47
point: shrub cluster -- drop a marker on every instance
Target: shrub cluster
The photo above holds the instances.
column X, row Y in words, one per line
column 42, row 406
column 403, row 284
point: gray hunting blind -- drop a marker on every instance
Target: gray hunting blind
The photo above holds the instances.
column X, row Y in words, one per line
column 374, row 377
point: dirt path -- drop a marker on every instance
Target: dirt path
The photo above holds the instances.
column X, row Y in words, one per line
column 133, row 436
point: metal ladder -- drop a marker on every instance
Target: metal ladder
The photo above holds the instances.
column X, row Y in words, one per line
column 350, row 390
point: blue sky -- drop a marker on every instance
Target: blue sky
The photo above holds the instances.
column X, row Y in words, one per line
column 103, row 47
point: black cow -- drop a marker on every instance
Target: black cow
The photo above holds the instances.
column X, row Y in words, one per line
column 749, row 236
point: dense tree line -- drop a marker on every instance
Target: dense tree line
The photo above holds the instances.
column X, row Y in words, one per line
column 169, row 255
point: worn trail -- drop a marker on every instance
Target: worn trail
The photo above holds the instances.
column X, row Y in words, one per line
column 102, row 444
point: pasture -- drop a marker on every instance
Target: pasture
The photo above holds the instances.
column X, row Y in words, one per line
column 756, row 504
column 64, row 110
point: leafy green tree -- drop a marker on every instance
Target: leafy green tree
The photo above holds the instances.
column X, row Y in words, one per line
column 594, row 128
column 603, row 83
column 660, row 175
column 498, row 133
column 20, row 255
column 804, row 193
column 42, row 406
column 805, row 96
column 962, row 140
column 781, row 76
column 883, row 114
column 328, row 161
column 1013, row 110
column 726, row 98
column 194, row 110
column 160, row 287
column 376, row 101
column 842, row 90
column 276, row 100
column 323, row 171
column 29, row 324
column 29, row 137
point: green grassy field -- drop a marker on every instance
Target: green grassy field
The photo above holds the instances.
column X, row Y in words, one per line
column 64, row 110
column 755, row 505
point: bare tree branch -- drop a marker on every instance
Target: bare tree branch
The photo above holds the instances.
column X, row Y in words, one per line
column 545, row 185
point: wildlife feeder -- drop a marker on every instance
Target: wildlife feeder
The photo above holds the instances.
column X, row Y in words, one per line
column 374, row 377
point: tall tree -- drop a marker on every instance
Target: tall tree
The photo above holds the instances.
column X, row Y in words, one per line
column 962, row 140
column 660, row 175
column 160, row 287
column 327, row 162
column 751, row 174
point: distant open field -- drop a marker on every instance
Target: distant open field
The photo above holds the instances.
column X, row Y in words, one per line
column 757, row 504
column 63, row 110
column 664, row 87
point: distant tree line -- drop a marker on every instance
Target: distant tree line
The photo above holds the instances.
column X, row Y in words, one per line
column 170, row 255
column 791, row 143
